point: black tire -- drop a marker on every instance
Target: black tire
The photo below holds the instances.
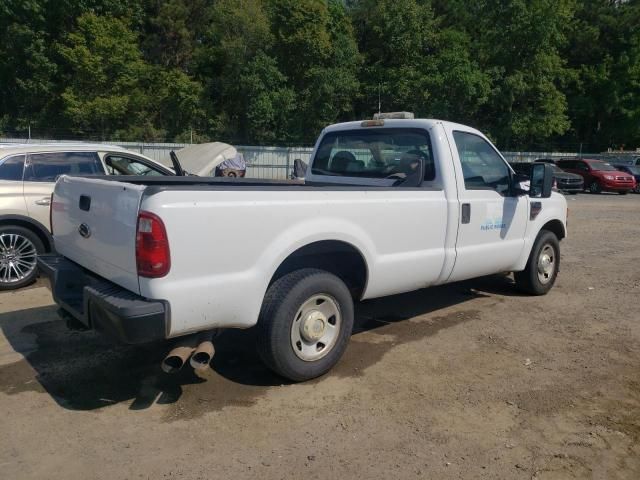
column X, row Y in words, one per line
column 284, row 298
column 595, row 187
column 528, row 281
column 26, row 235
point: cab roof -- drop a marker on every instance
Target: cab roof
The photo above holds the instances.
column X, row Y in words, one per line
column 397, row 123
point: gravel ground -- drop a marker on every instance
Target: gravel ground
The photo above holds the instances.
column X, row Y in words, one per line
column 469, row 380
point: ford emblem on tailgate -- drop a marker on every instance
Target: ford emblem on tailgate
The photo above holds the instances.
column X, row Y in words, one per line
column 84, row 230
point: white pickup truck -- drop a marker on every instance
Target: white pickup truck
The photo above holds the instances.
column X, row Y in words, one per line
column 387, row 206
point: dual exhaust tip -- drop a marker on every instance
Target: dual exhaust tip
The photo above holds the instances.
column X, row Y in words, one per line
column 197, row 349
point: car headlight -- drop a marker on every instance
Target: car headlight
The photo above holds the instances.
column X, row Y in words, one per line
column 609, row 177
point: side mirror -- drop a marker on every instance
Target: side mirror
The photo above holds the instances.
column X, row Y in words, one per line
column 541, row 180
column 299, row 168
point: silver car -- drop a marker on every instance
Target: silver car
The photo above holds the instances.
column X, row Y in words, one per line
column 27, row 177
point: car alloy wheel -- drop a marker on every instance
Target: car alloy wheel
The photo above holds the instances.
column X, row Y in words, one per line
column 17, row 258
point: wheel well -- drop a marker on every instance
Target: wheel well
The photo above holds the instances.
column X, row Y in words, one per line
column 339, row 258
column 556, row 227
column 17, row 222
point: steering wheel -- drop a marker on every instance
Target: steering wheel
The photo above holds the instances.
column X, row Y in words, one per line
column 398, row 175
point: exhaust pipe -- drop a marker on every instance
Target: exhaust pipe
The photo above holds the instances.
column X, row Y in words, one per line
column 179, row 355
column 202, row 355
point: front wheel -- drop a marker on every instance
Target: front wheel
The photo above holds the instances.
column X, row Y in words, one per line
column 305, row 324
column 542, row 267
column 595, row 187
column 19, row 249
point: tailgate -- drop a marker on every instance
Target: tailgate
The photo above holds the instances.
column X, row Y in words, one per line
column 94, row 224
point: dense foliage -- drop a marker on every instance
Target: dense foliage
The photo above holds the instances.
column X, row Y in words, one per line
column 531, row 73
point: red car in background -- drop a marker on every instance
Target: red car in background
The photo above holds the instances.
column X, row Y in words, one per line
column 599, row 176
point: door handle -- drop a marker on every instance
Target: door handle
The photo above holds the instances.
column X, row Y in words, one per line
column 46, row 201
column 466, row 213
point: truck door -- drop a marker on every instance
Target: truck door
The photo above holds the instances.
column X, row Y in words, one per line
column 492, row 222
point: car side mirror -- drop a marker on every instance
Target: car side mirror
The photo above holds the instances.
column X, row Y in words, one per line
column 541, row 180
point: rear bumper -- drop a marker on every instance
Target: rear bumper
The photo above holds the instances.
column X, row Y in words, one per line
column 102, row 305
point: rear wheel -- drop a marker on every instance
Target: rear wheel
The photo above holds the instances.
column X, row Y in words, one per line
column 595, row 187
column 305, row 324
column 542, row 267
column 19, row 249
column 637, row 189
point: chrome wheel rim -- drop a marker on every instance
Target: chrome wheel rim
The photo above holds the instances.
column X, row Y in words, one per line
column 315, row 327
column 17, row 258
column 546, row 264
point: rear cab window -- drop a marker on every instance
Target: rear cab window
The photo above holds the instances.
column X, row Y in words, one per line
column 377, row 153
column 47, row 167
column 12, row 168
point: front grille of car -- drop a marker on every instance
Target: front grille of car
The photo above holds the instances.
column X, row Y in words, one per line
column 570, row 181
column 624, row 179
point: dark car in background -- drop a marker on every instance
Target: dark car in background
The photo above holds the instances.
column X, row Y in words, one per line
column 565, row 181
column 631, row 170
column 599, row 176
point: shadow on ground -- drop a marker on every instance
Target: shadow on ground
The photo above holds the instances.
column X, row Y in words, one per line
column 85, row 371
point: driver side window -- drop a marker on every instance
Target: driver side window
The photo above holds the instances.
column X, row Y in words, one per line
column 483, row 168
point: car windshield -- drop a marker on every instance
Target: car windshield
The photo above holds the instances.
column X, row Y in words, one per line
column 557, row 169
column 602, row 166
column 375, row 153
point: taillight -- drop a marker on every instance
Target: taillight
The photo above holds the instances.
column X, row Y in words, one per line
column 152, row 246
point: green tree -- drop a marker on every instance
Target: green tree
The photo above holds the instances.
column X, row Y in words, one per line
column 105, row 66
column 416, row 61
column 604, row 92
column 237, row 33
column 27, row 73
column 112, row 91
column 518, row 45
column 174, row 31
column 316, row 49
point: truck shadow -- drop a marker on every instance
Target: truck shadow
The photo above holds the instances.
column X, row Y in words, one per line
column 85, row 371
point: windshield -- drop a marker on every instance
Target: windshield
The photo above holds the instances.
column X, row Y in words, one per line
column 604, row 167
column 557, row 169
column 633, row 170
column 375, row 153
